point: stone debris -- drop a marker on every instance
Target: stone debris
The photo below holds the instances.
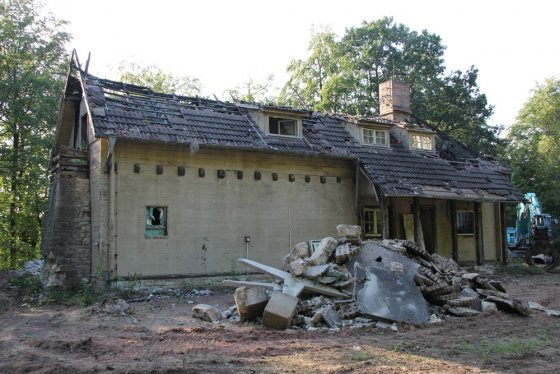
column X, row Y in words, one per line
column 323, row 252
column 280, row 311
column 366, row 284
column 206, row 312
column 298, row 267
column 349, row 231
column 250, row 302
column 299, row 251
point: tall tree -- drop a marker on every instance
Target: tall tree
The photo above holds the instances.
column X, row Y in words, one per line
column 157, row 79
column 33, row 63
column 534, row 149
column 252, row 91
column 344, row 76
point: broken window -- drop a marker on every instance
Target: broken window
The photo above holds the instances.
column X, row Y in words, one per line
column 283, row 126
column 372, row 222
column 374, row 137
column 156, row 221
column 423, row 142
column 465, row 223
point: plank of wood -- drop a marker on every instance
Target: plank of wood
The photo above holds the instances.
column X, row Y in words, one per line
column 68, row 149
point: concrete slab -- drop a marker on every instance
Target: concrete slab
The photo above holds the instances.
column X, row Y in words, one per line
column 313, row 272
column 391, row 296
column 268, row 286
column 280, row 311
column 206, row 312
column 379, row 257
column 294, row 286
column 332, row 318
column 250, row 302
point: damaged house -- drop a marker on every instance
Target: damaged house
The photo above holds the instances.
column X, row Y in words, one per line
column 178, row 188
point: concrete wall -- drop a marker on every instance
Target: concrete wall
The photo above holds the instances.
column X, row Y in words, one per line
column 66, row 233
column 224, row 210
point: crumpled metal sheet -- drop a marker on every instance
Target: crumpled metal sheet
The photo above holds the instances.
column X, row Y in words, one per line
column 387, row 295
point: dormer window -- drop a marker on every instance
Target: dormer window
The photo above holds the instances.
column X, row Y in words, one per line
column 279, row 126
column 422, row 142
column 374, row 137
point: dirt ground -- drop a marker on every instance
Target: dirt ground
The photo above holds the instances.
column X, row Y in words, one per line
column 160, row 336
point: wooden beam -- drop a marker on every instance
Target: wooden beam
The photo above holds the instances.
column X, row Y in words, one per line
column 503, row 230
column 417, row 223
column 478, row 234
column 384, row 217
column 434, row 229
column 455, row 245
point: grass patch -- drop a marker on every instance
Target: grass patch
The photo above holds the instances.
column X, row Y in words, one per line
column 518, row 266
column 362, row 356
column 493, row 348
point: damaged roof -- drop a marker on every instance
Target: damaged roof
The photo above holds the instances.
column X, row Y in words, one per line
column 137, row 113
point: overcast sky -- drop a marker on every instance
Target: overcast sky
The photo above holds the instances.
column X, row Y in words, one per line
column 513, row 43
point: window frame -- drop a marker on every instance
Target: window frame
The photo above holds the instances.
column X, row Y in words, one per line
column 285, row 118
column 374, row 136
column 152, row 228
column 469, row 212
column 377, row 221
column 422, row 135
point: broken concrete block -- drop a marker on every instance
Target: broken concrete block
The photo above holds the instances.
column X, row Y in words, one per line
column 323, row 252
column 280, row 311
column 397, row 267
column 363, row 320
column 462, row 311
column 552, row 313
column 349, row 231
column 332, row 318
column 317, row 316
column 470, row 276
column 536, row 306
column 300, row 250
column 469, row 293
column 327, row 280
column 206, row 312
column 313, row 272
column 298, row 267
column 509, row 305
column 229, row 312
column 498, row 286
column 487, row 306
column 250, row 302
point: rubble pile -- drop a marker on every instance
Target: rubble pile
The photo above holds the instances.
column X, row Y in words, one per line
column 347, row 283
column 452, row 290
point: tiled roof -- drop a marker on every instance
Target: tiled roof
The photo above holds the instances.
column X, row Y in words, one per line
column 135, row 113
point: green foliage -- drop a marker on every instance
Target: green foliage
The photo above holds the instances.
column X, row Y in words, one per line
column 534, row 149
column 129, row 287
column 252, row 91
column 518, row 266
column 204, row 250
column 157, row 79
column 33, row 284
column 508, row 347
column 33, row 64
column 343, row 76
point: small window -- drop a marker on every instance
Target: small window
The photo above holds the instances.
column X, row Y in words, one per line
column 372, row 222
column 283, row 126
column 465, row 223
column 374, row 137
column 423, row 142
column 156, row 221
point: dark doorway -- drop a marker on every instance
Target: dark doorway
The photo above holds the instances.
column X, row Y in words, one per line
column 428, row 220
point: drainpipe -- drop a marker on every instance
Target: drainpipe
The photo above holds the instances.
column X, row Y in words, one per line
column 112, row 142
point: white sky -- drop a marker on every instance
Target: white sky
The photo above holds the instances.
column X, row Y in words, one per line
column 513, row 43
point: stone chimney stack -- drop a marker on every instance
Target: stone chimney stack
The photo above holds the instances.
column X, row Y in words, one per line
column 394, row 100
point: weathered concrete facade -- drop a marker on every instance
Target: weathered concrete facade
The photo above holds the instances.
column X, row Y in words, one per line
column 67, row 234
column 223, row 210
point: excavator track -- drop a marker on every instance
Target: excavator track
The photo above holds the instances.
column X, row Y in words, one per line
column 555, row 261
column 553, row 264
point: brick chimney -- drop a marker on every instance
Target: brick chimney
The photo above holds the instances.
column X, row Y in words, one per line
column 394, row 100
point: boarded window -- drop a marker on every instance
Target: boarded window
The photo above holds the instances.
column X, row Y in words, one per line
column 156, row 221
column 283, row 126
column 372, row 222
column 465, row 223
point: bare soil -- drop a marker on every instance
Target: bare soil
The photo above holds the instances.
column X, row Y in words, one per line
column 161, row 337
